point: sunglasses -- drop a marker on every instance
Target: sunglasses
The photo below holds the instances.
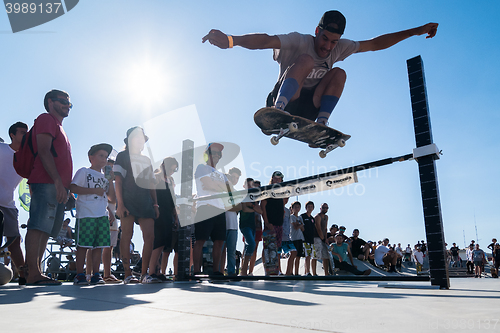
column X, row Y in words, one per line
column 62, row 101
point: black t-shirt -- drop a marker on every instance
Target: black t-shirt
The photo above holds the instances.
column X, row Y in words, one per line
column 454, row 251
column 275, row 211
column 356, row 245
column 309, row 228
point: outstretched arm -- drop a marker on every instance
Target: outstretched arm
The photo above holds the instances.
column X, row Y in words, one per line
column 251, row 41
column 388, row 40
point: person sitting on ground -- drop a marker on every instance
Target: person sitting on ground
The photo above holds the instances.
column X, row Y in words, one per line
column 65, row 237
column 384, row 256
column 357, row 246
column 342, row 233
column 340, row 252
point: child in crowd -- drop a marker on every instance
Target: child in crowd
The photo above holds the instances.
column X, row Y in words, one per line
column 92, row 224
column 247, row 227
column 136, row 201
column 296, row 229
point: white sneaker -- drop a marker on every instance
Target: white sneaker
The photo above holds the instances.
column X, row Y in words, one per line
column 130, row 279
column 147, row 279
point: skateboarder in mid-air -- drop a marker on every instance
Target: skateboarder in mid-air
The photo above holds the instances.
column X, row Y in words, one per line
column 308, row 85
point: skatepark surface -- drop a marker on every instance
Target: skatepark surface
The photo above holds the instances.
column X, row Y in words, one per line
column 470, row 305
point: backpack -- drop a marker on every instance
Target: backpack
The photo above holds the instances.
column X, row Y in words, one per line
column 24, row 158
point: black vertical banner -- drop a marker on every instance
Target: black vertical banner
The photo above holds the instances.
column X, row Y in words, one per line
column 428, row 176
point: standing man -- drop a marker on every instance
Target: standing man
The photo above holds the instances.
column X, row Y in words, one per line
column 210, row 219
column 308, row 86
column 320, row 241
column 9, row 180
column 49, row 181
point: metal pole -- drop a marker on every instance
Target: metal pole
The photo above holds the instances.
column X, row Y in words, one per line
column 184, row 236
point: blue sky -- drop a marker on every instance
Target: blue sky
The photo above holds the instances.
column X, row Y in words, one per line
column 128, row 63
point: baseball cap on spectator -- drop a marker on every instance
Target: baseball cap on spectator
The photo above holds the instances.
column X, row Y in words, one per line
column 214, row 145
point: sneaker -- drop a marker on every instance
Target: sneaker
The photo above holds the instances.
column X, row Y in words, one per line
column 161, row 277
column 96, row 279
column 147, row 279
column 112, row 279
column 130, row 279
column 80, row 279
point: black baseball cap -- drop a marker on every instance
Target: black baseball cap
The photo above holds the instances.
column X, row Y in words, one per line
column 333, row 17
column 102, row 146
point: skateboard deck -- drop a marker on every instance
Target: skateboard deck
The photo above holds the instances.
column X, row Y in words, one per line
column 281, row 124
column 271, row 256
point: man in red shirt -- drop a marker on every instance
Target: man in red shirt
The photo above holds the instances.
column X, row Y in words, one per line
column 49, row 181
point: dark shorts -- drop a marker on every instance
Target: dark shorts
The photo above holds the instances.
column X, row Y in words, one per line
column 213, row 227
column 163, row 232
column 10, row 220
column 302, row 106
column 300, row 248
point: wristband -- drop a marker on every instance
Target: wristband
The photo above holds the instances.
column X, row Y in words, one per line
column 230, row 39
column 156, row 205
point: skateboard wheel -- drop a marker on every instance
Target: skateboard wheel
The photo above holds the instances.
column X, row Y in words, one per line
column 322, row 154
column 293, row 127
column 274, row 140
column 341, row 142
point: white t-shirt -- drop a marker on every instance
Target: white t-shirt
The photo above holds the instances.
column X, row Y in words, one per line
column 205, row 170
column 419, row 256
column 379, row 254
column 295, row 44
column 91, row 205
column 296, row 234
column 9, row 179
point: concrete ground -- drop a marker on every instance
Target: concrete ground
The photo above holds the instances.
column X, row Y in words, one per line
column 471, row 305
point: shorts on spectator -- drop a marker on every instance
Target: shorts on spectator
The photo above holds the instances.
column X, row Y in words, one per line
column 210, row 222
column 320, row 249
column 93, row 232
column 10, row 222
column 46, row 214
column 287, row 246
column 113, row 237
column 309, row 250
column 299, row 246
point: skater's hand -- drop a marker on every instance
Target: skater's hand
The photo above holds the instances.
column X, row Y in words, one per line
column 430, row 29
column 217, row 38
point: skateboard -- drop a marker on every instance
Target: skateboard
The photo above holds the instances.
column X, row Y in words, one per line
column 271, row 256
column 281, row 124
